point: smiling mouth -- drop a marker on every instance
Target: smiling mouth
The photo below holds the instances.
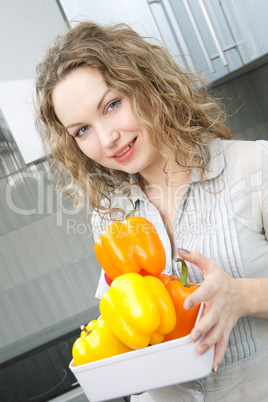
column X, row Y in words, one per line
column 125, row 149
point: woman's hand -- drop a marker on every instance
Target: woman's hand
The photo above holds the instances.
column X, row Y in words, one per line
column 224, row 305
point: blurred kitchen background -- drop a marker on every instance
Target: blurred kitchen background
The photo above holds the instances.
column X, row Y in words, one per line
column 48, row 271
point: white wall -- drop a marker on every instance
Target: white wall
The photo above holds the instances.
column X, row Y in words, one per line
column 26, row 29
column 48, row 269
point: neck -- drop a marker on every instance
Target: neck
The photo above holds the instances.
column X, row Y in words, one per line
column 165, row 192
column 164, row 175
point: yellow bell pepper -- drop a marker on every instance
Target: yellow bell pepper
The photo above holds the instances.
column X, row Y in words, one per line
column 138, row 309
column 96, row 342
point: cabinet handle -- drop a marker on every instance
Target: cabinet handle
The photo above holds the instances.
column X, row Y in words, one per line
column 147, row 5
column 213, row 33
column 199, row 37
column 177, row 35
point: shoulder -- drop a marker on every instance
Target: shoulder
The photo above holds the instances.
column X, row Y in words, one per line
column 247, row 161
column 250, row 147
column 245, row 157
column 246, row 168
column 235, row 158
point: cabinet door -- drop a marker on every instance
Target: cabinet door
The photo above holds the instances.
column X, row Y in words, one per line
column 181, row 25
column 147, row 17
column 247, row 20
column 212, row 37
column 136, row 13
column 208, row 37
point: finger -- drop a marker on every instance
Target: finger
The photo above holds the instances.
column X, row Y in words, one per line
column 203, row 329
column 220, row 349
column 217, row 336
column 205, row 292
column 210, row 339
column 198, row 259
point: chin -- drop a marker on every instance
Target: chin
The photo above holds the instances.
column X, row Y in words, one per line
column 130, row 171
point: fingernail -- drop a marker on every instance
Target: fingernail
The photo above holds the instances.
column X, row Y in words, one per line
column 184, row 251
column 204, row 348
column 188, row 305
column 215, row 369
column 196, row 335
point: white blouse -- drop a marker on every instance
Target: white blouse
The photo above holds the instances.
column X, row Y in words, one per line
column 225, row 217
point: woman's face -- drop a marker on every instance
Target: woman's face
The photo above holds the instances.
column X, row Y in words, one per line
column 102, row 123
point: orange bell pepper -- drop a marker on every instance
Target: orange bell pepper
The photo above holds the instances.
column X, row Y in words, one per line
column 179, row 290
column 130, row 246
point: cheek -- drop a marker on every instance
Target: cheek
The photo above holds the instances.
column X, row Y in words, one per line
column 127, row 119
column 91, row 149
column 134, row 125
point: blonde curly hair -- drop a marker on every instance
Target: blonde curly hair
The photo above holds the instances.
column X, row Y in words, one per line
column 177, row 113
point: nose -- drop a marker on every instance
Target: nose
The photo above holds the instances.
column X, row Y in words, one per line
column 107, row 135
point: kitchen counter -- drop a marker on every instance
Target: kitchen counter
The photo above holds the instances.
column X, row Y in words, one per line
column 77, row 395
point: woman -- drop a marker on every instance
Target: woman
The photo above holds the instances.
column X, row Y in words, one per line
column 131, row 128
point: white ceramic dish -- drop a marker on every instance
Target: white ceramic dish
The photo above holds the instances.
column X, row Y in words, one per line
column 133, row 372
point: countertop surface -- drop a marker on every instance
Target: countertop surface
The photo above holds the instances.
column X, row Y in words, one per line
column 77, row 395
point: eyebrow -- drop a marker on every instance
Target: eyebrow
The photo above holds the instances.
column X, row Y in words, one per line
column 98, row 107
column 102, row 98
column 73, row 125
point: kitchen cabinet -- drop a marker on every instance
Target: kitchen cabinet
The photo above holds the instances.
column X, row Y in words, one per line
column 212, row 37
column 148, row 18
column 133, row 12
column 221, row 35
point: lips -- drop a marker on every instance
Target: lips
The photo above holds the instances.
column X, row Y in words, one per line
column 125, row 151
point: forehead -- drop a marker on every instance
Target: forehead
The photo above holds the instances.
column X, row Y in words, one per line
column 79, row 77
column 80, row 82
column 79, row 87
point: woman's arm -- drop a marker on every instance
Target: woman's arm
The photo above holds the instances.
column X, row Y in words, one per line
column 226, row 299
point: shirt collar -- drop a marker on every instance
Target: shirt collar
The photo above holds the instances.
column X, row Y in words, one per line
column 137, row 193
column 215, row 165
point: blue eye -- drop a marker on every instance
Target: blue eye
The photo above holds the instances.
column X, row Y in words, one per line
column 81, row 131
column 113, row 105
